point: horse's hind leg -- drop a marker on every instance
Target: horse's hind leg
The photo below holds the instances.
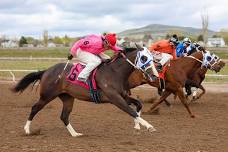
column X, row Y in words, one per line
column 35, row 109
column 162, row 98
column 68, row 102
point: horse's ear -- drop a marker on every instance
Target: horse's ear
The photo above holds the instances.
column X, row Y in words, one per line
column 203, row 49
column 138, row 47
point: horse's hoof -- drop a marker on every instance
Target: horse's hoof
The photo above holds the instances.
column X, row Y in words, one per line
column 151, row 129
column 137, row 127
column 76, row 134
column 27, row 131
column 193, row 116
column 152, row 112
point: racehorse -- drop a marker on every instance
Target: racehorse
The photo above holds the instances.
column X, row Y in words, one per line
column 177, row 75
column 199, row 75
column 111, row 79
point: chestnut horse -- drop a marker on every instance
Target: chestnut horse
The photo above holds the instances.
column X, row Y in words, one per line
column 177, row 75
column 111, row 80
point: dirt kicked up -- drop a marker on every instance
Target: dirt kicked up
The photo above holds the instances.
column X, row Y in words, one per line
column 108, row 129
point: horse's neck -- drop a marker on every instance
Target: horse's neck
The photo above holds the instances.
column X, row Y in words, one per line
column 189, row 64
column 120, row 68
column 125, row 68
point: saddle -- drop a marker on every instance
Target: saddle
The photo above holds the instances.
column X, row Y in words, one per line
column 89, row 85
column 161, row 73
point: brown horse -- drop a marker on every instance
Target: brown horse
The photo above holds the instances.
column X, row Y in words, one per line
column 177, row 75
column 198, row 76
column 111, row 79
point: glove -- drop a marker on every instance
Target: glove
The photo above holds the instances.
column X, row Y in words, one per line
column 121, row 50
column 106, row 60
column 70, row 57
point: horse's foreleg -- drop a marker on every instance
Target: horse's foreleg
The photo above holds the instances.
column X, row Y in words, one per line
column 116, row 99
column 183, row 99
column 68, row 102
column 162, row 98
column 203, row 91
column 138, row 105
column 167, row 103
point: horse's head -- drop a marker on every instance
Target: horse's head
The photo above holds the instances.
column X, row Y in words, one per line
column 212, row 61
column 144, row 62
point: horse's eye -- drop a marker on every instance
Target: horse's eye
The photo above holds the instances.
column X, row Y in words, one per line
column 216, row 57
column 208, row 58
column 143, row 59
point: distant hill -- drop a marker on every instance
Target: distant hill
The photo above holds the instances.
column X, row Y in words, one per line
column 162, row 30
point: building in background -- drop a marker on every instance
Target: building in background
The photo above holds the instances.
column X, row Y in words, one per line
column 216, row 42
column 9, row 44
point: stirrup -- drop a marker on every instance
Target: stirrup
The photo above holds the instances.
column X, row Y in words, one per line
column 82, row 79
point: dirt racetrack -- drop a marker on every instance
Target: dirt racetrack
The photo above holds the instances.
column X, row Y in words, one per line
column 108, row 129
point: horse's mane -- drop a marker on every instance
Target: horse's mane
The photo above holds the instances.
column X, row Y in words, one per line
column 129, row 49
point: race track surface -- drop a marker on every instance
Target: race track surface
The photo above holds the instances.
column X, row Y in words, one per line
column 108, row 129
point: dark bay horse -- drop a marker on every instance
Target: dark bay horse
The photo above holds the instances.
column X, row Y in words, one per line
column 198, row 77
column 176, row 76
column 111, row 79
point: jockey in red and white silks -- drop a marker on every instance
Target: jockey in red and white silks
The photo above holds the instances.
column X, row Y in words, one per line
column 90, row 50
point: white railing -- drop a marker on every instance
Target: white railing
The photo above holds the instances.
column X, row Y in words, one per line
column 13, row 75
column 15, row 70
column 31, row 58
column 216, row 75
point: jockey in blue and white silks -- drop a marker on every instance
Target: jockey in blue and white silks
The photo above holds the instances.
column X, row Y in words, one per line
column 184, row 47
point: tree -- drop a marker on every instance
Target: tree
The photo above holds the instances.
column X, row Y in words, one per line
column 45, row 38
column 57, row 40
column 66, row 40
column 204, row 18
column 215, row 36
column 22, row 41
column 200, row 38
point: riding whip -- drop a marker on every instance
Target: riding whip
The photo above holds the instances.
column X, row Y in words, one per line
column 60, row 75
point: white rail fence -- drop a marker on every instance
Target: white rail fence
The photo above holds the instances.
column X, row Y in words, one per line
column 47, row 58
column 11, row 71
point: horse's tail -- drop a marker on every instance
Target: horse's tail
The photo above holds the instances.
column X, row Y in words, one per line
column 28, row 79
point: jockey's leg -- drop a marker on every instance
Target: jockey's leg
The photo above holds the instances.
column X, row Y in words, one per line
column 165, row 58
column 104, row 56
column 155, row 72
column 91, row 61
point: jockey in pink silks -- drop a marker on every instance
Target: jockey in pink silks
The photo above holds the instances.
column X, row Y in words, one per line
column 90, row 51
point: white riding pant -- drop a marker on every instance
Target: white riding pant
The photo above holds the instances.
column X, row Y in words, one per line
column 90, row 60
column 165, row 58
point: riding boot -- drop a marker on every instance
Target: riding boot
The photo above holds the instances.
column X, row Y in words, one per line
column 159, row 67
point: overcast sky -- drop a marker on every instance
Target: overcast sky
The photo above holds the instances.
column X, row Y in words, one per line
column 81, row 17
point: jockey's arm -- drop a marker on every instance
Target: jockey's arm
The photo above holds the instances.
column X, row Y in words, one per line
column 116, row 48
column 75, row 47
column 153, row 47
column 174, row 54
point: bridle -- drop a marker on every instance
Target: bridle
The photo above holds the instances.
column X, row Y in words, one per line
column 205, row 63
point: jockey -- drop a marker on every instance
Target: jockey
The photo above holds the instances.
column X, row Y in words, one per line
column 90, row 51
column 166, row 49
column 184, row 47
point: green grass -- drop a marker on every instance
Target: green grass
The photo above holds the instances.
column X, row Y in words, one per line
column 24, row 65
column 52, row 52
column 28, row 65
column 63, row 52
column 221, row 54
column 48, row 52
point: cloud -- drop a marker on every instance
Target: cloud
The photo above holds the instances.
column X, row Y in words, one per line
column 75, row 18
